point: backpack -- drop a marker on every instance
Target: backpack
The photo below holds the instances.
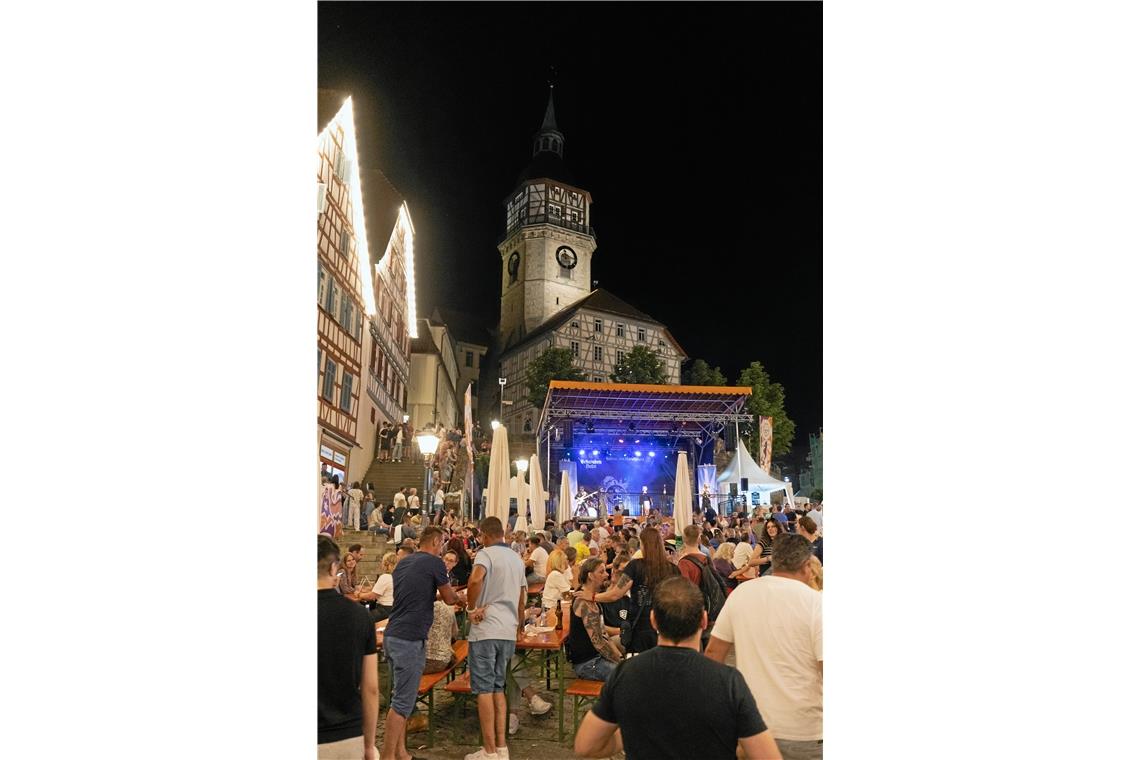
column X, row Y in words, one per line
column 712, row 587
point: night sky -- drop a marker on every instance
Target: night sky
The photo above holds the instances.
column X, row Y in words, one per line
column 697, row 129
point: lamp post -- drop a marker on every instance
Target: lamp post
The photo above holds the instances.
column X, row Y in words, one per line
column 494, row 425
column 428, row 442
column 502, row 389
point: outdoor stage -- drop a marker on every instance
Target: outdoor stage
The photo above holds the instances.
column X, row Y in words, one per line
column 620, row 441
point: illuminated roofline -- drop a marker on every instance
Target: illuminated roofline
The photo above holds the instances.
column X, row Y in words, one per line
column 409, row 266
column 356, row 197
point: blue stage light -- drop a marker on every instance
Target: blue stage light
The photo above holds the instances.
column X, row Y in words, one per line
column 595, row 452
column 652, row 454
column 581, row 452
column 637, row 453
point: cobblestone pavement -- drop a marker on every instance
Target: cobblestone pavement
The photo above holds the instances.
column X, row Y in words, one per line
column 457, row 728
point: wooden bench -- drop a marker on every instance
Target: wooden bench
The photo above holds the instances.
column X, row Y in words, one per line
column 584, row 693
column 428, row 682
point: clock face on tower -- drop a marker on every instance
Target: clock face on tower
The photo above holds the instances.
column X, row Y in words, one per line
column 513, row 266
column 567, row 259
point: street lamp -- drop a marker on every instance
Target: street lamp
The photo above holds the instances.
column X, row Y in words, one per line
column 522, row 464
column 428, row 442
column 494, row 425
column 502, row 389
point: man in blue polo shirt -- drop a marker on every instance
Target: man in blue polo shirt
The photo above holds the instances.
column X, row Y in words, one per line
column 496, row 595
column 414, row 581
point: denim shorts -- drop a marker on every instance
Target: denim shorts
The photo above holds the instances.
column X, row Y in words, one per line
column 406, row 659
column 488, row 660
column 597, row 669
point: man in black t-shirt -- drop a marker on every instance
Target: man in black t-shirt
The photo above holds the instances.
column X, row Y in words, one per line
column 718, row 706
column 348, row 694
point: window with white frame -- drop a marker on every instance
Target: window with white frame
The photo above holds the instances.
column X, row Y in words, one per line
column 597, row 353
column 597, row 325
column 621, row 356
column 641, row 334
column 620, row 330
column 344, row 237
column 575, row 348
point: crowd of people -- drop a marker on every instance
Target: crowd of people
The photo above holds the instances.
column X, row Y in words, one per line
column 644, row 599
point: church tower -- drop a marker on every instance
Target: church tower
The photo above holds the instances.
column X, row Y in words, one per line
column 548, row 243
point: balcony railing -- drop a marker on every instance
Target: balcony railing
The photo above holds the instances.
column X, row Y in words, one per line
column 558, row 221
column 379, row 394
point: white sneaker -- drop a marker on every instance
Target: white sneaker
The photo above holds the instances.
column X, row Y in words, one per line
column 503, row 753
column 512, row 725
column 539, row 706
column 479, row 754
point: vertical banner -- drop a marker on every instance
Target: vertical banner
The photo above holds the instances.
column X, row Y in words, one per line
column 328, row 519
column 706, row 484
column 765, row 445
column 469, row 476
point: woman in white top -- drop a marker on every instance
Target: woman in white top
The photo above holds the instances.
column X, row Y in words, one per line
column 557, row 580
column 382, row 591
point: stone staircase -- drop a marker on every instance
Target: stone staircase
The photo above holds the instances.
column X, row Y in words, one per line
column 374, row 547
column 388, row 477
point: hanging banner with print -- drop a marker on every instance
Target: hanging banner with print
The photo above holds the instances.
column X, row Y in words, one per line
column 329, row 517
column 468, row 426
column 765, row 458
column 467, row 422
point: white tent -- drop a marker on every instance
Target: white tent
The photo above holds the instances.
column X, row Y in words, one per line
column 743, row 466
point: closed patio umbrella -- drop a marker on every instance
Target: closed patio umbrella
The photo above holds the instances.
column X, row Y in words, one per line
column 537, row 494
column 682, row 496
column 564, row 500
column 496, row 502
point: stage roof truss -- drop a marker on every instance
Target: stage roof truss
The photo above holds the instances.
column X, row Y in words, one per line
column 655, row 410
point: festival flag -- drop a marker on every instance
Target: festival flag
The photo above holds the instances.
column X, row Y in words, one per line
column 468, row 426
column 467, row 423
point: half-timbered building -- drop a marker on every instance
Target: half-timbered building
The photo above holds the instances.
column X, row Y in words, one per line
column 548, row 299
column 365, row 296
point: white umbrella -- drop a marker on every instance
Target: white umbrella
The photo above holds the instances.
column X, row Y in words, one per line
column 521, row 491
column 564, row 500
column 538, row 495
column 496, row 499
column 682, row 495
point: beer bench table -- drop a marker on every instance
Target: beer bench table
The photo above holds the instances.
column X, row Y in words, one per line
column 584, row 693
column 550, row 644
column 428, row 682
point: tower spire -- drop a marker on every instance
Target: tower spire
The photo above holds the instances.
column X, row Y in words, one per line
column 549, row 138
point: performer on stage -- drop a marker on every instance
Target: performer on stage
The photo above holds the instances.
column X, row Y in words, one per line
column 646, row 502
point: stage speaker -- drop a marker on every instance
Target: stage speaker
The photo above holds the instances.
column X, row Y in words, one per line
column 730, row 438
column 732, row 490
column 744, row 484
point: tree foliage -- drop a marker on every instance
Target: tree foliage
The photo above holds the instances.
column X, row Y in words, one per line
column 700, row 373
column 640, row 365
column 767, row 400
column 551, row 364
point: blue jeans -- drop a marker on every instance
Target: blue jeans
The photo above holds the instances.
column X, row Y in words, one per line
column 406, row 659
column 487, row 660
column 597, row 669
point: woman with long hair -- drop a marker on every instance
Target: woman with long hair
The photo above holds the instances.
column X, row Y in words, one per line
column 347, row 582
column 760, row 562
column 639, row 578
